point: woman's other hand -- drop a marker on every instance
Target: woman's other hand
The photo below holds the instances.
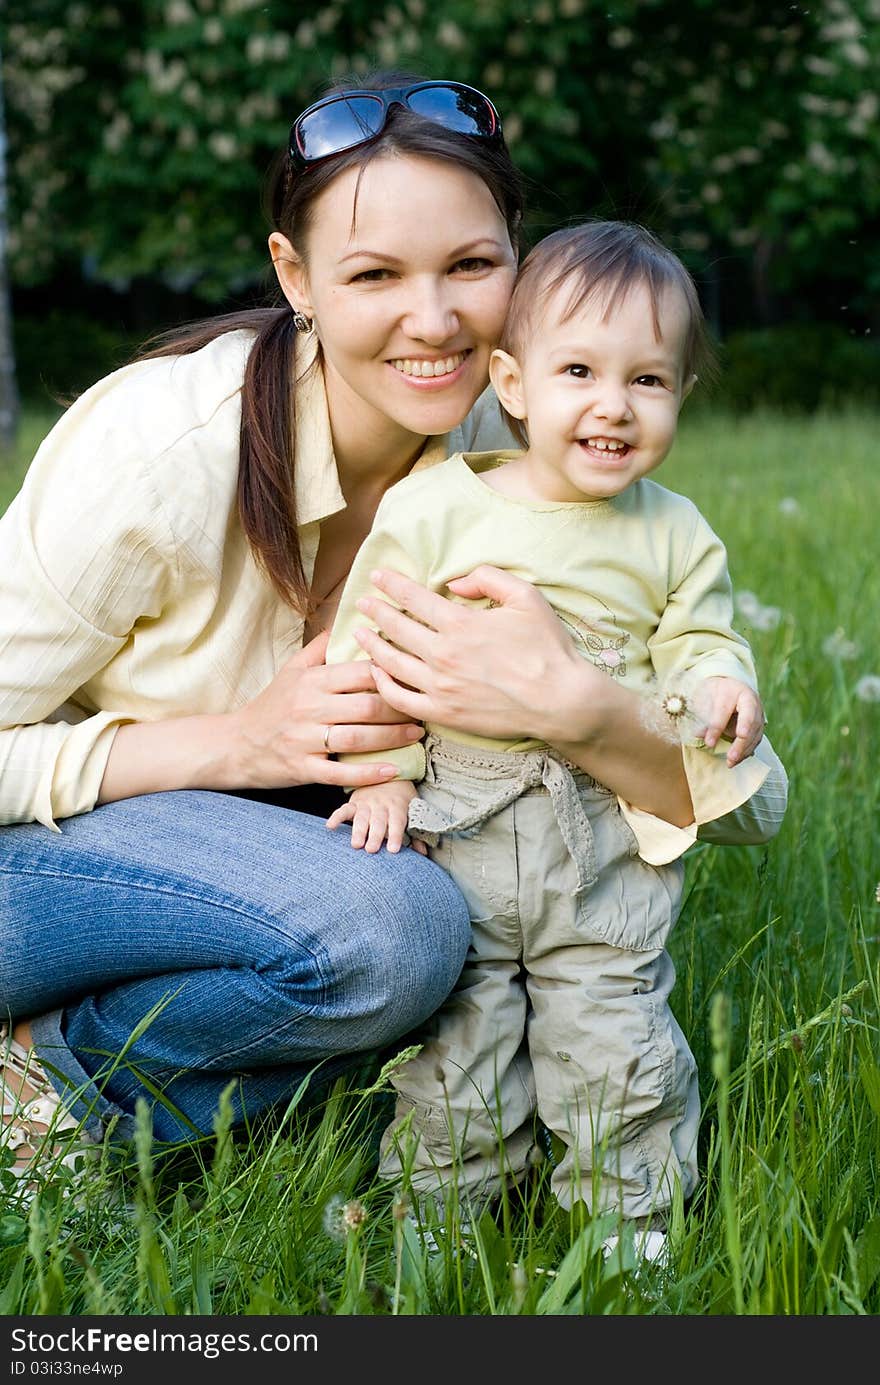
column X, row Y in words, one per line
column 496, row 671
column 512, row 671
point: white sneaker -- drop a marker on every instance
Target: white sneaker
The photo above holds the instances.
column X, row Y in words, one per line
column 435, row 1240
column 650, row 1246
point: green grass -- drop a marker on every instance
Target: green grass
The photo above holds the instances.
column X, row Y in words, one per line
column 778, row 991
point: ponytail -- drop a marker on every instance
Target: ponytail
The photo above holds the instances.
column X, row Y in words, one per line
column 266, row 490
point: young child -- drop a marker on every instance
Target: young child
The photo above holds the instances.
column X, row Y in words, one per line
column 562, row 1007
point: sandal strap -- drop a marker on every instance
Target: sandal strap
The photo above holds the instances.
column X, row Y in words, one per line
column 44, row 1104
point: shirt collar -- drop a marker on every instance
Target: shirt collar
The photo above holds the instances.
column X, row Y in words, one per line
column 318, row 492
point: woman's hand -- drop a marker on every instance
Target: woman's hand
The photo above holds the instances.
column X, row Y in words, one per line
column 512, row 671
column 286, row 735
column 310, row 712
column 493, row 671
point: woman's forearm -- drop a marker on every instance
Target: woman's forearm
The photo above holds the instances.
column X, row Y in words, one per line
column 615, row 745
column 181, row 753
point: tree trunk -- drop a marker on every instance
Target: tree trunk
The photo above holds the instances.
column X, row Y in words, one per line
column 9, row 402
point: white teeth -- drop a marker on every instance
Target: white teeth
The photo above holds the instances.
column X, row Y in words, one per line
column 606, row 444
column 425, row 369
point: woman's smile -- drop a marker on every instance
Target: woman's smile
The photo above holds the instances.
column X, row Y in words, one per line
column 431, row 372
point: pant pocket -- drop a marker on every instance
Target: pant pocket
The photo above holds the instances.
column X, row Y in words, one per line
column 632, row 904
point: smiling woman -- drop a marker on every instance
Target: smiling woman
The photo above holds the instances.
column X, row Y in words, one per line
column 168, row 724
column 406, row 308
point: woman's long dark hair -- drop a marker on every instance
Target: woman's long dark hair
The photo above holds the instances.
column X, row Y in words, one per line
column 266, row 485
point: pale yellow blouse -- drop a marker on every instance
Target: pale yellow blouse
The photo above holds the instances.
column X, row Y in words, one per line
column 128, row 591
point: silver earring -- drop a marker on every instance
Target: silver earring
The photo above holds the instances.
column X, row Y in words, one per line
column 301, row 322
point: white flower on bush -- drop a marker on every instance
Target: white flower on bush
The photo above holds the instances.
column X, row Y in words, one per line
column 867, row 689
column 838, row 646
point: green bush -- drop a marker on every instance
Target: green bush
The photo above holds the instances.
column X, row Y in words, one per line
column 798, row 367
column 61, row 354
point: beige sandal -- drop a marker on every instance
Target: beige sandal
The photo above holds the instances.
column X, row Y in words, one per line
column 36, row 1128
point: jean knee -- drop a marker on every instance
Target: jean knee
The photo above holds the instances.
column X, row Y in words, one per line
column 421, row 932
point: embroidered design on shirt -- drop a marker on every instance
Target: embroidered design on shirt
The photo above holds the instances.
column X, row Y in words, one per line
column 604, row 647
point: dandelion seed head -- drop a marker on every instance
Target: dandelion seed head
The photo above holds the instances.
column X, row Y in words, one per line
column 674, row 713
column 655, row 720
column 755, row 613
column 340, row 1218
column 747, row 603
column 674, row 705
column 767, row 618
column 354, row 1215
column 837, row 645
column 331, row 1218
column 789, row 506
column 867, row 689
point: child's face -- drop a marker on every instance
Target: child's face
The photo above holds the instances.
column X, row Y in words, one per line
column 600, row 397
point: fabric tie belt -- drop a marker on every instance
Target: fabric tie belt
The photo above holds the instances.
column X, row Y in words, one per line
column 519, row 771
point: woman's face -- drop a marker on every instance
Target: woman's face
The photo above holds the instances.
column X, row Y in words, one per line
column 407, row 271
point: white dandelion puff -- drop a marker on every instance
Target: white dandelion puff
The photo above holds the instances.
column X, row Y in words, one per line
column 354, row 1216
column 837, row 645
column 867, row 689
column 767, row 618
column 674, row 705
column 672, row 711
column 747, row 603
column 789, row 506
column 755, row 613
column 342, row 1219
column 332, row 1218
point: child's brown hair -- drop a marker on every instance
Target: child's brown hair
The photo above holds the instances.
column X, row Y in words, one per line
column 607, row 258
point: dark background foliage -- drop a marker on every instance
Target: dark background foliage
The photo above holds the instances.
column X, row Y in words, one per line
column 139, row 136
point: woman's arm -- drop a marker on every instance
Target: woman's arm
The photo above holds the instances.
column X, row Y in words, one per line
column 284, row 736
column 512, row 671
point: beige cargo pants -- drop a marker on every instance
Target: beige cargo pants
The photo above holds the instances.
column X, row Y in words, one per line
column 562, row 1006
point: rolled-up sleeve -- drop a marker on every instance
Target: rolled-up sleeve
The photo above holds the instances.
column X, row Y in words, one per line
column 754, row 799
column 85, row 553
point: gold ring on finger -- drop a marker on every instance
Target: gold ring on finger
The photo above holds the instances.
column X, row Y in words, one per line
column 327, row 730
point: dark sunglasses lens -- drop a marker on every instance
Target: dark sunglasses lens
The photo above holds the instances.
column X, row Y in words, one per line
column 338, row 126
column 458, row 108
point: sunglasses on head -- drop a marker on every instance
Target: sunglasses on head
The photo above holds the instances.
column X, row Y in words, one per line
column 350, row 118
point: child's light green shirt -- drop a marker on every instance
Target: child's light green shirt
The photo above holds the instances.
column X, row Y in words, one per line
column 640, row 582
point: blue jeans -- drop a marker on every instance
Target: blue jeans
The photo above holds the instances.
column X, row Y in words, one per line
column 253, row 942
